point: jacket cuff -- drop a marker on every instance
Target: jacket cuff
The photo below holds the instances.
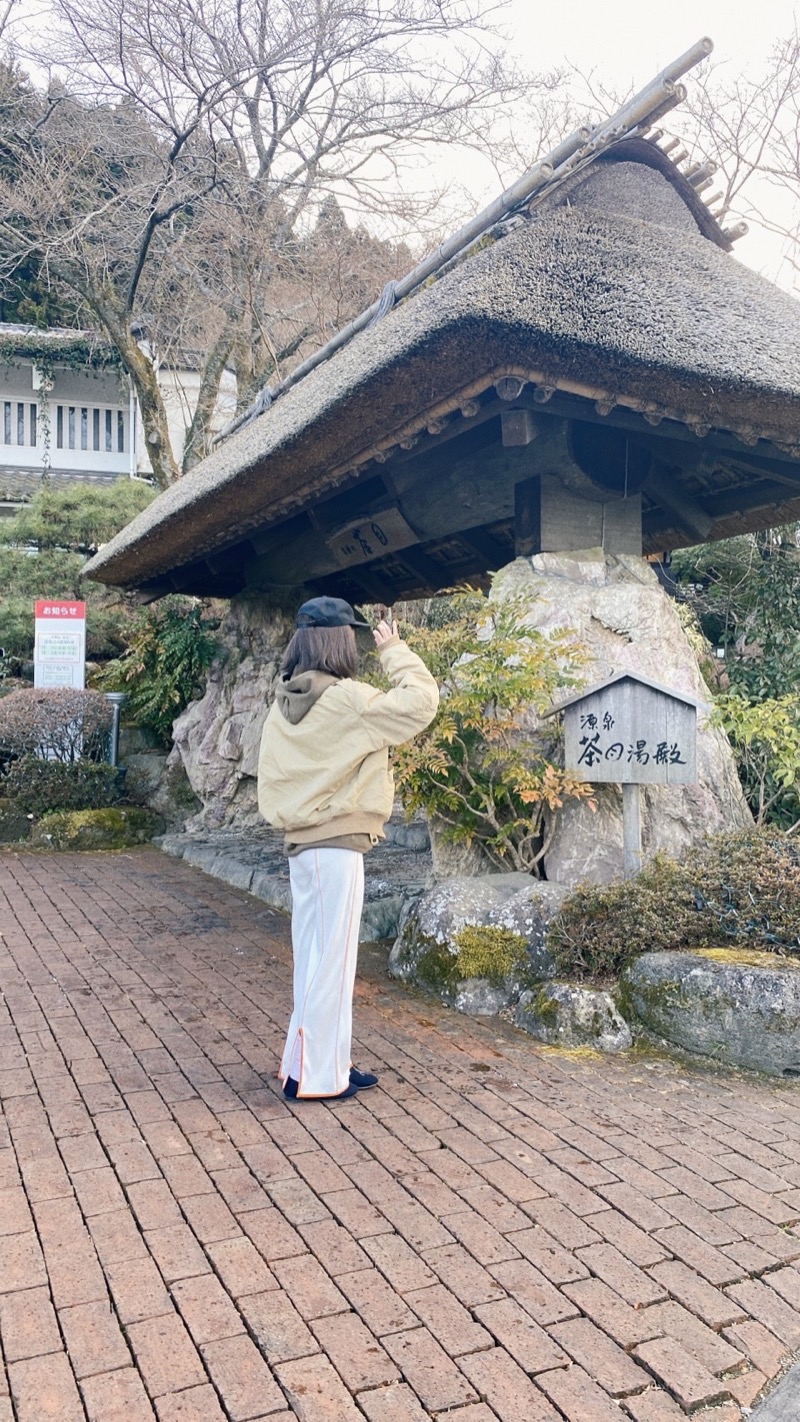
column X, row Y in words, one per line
column 390, row 642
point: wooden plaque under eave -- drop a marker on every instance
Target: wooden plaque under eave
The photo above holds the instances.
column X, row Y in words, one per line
column 629, row 730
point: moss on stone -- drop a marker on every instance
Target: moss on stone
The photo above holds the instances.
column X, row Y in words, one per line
column 656, row 996
column 575, row 1054
column 485, row 951
column 545, row 1008
column 118, row 827
column 178, row 788
column 749, row 958
column 436, row 968
column 597, row 1025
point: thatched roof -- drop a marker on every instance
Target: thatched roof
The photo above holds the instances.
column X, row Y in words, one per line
column 617, row 295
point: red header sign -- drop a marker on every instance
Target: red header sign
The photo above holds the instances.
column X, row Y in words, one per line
column 61, row 610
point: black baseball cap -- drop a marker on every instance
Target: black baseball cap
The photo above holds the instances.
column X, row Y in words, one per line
column 328, row 612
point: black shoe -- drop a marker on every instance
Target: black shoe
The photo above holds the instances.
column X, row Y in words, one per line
column 362, row 1080
column 291, row 1086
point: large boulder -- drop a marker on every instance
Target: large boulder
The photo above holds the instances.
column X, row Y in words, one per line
column 741, row 1008
column 624, row 621
column 457, row 860
column 562, row 1015
column 216, row 739
column 478, row 942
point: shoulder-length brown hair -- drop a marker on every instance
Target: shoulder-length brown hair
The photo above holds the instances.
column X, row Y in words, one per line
column 325, row 649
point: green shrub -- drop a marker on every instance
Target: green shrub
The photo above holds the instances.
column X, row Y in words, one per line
column 42, row 551
column 742, row 890
column 59, row 723
column 78, row 518
column 36, row 786
column 14, row 823
column 117, row 828
column 765, row 736
column 171, row 648
column 478, row 769
column 745, row 592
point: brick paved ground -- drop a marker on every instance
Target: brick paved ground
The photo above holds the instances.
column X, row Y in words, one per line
column 498, row 1232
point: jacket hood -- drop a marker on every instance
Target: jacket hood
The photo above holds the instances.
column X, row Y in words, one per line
column 296, row 696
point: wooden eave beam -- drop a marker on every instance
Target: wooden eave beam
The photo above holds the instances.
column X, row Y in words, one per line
column 744, row 500
column 143, row 596
column 434, row 576
column 486, row 546
column 691, row 515
column 369, row 580
column 456, row 426
column 577, row 407
column 767, row 495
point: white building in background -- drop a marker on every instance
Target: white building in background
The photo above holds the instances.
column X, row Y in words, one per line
column 78, row 417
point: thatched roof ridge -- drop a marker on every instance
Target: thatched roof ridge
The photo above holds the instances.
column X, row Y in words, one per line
column 592, row 301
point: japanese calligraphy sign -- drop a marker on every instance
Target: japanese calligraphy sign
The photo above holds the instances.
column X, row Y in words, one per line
column 631, row 732
column 59, row 654
column 372, row 537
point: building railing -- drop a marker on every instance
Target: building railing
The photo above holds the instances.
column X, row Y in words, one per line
column 79, row 436
column 20, row 422
column 91, row 427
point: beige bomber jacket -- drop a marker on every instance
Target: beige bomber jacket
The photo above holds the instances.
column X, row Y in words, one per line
column 323, row 766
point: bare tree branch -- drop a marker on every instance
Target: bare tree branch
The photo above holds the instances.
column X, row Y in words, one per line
column 172, row 173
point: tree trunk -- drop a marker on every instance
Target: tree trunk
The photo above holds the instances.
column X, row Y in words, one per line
column 198, row 433
column 154, row 416
column 142, row 372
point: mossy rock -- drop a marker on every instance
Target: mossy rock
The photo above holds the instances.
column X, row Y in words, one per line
column 477, row 943
column 478, row 951
column 569, row 1015
column 741, row 1008
column 480, row 970
column 119, row 827
column 14, row 824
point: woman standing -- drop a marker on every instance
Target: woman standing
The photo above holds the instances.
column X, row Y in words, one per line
column 324, row 779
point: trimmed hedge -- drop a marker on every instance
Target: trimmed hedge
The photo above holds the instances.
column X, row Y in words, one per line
column 56, row 723
column 38, row 786
column 14, row 823
column 739, row 890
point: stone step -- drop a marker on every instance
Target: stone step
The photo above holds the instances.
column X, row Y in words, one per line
column 256, row 862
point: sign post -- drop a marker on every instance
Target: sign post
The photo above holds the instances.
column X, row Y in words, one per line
column 631, row 732
column 59, row 654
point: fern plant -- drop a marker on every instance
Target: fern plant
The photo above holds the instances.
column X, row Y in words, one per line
column 171, row 648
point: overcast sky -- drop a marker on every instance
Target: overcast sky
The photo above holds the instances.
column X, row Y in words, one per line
column 629, row 41
column 626, row 44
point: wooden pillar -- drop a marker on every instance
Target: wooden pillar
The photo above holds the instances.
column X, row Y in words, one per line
column 527, row 518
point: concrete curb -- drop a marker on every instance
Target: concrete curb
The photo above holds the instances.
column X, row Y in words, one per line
column 783, row 1403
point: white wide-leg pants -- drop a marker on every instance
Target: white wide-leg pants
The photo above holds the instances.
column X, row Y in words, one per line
column 327, row 898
